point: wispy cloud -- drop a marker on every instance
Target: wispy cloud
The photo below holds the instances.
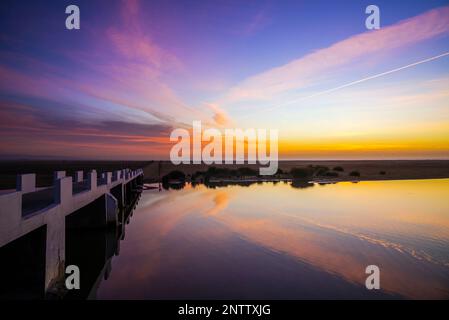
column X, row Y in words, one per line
column 308, row 69
column 352, row 83
column 133, row 43
column 260, row 20
column 125, row 68
column 220, row 116
column 19, row 121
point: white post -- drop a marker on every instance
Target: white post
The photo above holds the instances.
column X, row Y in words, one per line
column 26, row 183
column 55, row 248
column 79, row 176
column 55, row 251
column 58, row 175
column 63, row 191
column 92, row 180
column 10, row 216
column 108, row 178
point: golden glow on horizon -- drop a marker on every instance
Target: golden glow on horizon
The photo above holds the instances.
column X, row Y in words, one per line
column 419, row 141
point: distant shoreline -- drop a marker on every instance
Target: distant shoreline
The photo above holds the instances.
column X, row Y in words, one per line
column 323, row 181
column 370, row 170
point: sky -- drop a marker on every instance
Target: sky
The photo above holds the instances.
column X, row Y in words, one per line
column 136, row 70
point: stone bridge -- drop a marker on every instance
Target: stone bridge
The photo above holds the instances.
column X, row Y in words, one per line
column 89, row 201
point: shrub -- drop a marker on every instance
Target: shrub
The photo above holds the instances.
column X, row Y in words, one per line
column 354, row 174
column 300, row 173
column 218, row 172
column 197, row 174
column 338, row 169
column 174, row 175
column 247, row 171
column 212, row 171
column 300, row 184
column 382, row 172
column 331, row 174
column 319, row 170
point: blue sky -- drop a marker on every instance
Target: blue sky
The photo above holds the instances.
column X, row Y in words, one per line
column 162, row 64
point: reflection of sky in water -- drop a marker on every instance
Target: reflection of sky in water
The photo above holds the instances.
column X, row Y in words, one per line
column 267, row 241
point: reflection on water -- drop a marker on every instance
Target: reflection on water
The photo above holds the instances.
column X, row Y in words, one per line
column 286, row 241
column 92, row 251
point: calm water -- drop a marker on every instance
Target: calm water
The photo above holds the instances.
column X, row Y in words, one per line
column 276, row 241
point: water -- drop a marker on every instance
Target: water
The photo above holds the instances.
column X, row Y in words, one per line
column 278, row 241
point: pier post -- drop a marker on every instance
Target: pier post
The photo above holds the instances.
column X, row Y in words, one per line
column 92, row 180
column 63, row 191
column 55, row 244
column 26, row 183
column 79, row 176
column 108, row 178
column 58, row 175
column 10, row 216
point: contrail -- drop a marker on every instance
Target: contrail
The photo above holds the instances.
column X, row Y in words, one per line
column 357, row 81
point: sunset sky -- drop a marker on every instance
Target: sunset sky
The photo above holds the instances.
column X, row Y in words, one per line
column 136, row 70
